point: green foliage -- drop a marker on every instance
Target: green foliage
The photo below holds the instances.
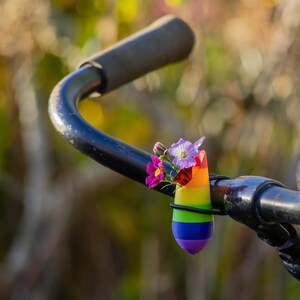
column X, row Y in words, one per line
column 218, row 60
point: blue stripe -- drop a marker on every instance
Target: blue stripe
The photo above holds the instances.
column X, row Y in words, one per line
column 192, row 231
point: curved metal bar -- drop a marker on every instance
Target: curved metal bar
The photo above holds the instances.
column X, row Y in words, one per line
column 108, row 151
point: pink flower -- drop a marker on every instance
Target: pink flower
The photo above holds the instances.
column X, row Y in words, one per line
column 155, row 171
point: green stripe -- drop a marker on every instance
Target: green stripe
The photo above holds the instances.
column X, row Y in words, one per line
column 180, row 215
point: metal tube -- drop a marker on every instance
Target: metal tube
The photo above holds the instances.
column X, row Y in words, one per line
column 278, row 204
column 254, row 199
column 108, row 151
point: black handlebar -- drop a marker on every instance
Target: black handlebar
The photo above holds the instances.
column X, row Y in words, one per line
column 265, row 198
column 166, row 41
column 260, row 203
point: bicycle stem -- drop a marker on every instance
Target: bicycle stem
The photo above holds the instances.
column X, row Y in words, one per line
column 265, row 206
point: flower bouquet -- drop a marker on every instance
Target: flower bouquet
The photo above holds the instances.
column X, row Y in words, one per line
column 192, row 230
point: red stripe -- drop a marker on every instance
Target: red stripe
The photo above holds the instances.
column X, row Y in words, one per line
column 201, row 160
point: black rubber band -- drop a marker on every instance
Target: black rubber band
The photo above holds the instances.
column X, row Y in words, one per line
column 198, row 210
column 212, row 176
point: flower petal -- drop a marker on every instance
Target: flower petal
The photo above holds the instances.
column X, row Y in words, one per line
column 199, row 142
column 183, row 152
column 153, row 180
column 149, row 180
column 177, row 148
column 192, row 150
column 150, row 168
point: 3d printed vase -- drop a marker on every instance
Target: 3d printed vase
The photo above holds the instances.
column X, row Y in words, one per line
column 193, row 230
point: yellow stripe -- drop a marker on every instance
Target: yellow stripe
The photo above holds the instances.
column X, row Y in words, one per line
column 195, row 196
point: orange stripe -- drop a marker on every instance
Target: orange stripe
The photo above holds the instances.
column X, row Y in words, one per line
column 200, row 179
column 192, row 196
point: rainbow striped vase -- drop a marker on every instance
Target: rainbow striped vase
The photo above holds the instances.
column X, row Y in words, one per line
column 193, row 230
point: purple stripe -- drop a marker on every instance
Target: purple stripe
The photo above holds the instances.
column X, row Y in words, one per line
column 192, row 246
column 192, row 231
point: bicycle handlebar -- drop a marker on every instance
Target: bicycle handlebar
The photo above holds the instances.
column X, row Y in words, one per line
column 166, row 41
column 260, row 203
column 267, row 199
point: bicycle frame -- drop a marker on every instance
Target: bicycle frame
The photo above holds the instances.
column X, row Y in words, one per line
column 262, row 204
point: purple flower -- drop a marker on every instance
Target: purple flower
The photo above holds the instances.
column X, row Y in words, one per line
column 155, row 171
column 184, row 152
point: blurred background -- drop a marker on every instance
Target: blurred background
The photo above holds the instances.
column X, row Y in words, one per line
column 72, row 229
